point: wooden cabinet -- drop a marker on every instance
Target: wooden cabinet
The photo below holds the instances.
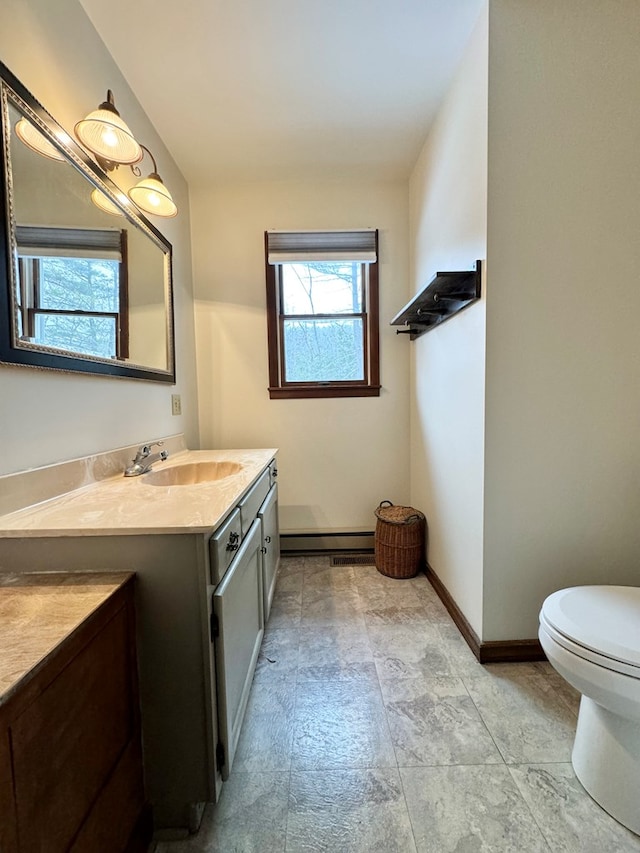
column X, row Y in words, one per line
column 70, row 749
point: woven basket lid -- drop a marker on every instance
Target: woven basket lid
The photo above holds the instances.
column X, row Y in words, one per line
column 396, row 514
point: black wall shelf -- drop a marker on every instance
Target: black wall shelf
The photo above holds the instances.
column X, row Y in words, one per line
column 445, row 295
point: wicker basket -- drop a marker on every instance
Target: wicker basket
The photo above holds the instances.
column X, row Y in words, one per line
column 399, row 540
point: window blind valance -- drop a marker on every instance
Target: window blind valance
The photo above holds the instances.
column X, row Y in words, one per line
column 36, row 241
column 288, row 246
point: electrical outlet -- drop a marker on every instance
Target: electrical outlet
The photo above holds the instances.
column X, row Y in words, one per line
column 176, row 404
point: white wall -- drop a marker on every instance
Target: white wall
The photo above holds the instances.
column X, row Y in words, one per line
column 562, row 485
column 47, row 416
column 338, row 457
column 448, row 192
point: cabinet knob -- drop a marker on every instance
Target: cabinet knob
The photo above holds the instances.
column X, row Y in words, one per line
column 263, row 550
column 232, row 544
column 267, row 539
column 274, row 472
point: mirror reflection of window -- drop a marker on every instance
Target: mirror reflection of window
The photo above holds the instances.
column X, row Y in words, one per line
column 73, row 289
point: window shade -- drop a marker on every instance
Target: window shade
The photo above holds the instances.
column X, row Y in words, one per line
column 36, row 241
column 287, row 246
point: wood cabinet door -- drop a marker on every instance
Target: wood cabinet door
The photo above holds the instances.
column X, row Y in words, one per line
column 69, row 740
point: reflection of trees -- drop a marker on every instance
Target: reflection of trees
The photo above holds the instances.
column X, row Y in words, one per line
column 78, row 284
column 321, row 348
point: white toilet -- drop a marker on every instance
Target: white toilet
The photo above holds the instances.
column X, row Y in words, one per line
column 591, row 636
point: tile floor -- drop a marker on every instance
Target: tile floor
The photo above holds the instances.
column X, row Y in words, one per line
column 371, row 727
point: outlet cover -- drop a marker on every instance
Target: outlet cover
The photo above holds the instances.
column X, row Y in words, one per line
column 176, row 404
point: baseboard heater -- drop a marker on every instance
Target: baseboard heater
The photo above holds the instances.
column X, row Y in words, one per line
column 322, row 543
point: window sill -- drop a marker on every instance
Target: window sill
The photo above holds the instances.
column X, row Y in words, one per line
column 320, row 391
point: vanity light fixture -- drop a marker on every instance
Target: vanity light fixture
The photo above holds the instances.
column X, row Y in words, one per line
column 32, row 138
column 150, row 194
column 109, row 139
column 105, row 134
column 100, row 200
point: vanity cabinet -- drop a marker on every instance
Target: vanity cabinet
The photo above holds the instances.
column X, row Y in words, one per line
column 193, row 684
column 70, row 745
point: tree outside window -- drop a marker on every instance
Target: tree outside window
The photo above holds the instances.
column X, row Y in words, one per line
column 323, row 320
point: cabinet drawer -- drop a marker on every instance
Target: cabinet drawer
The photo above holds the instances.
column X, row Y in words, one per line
column 224, row 545
column 252, row 501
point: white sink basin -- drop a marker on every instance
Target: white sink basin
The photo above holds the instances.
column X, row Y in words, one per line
column 191, row 473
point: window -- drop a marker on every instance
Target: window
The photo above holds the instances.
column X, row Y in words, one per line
column 322, row 313
column 73, row 289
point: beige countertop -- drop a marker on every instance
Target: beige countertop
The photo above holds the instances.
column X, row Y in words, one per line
column 133, row 506
column 38, row 611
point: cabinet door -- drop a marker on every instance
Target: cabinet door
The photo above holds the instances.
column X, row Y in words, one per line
column 238, row 607
column 268, row 515
column 75, row 751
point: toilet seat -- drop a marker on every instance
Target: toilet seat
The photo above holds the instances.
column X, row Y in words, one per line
column 591, row 636
column 587, row 654
column 598, row 623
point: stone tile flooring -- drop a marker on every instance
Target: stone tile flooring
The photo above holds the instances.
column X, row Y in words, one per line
column 371, row 727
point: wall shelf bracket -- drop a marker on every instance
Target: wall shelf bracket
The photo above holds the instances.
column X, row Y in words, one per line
column 445, row 295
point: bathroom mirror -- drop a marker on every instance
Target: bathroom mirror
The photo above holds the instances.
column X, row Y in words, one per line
column 85, row 278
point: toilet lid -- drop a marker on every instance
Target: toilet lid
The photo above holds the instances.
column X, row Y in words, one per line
column 605, row 619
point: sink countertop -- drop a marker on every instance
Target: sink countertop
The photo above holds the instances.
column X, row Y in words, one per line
column 127, row 506
column 38, row 611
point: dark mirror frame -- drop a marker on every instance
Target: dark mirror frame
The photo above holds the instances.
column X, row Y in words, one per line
column 48, row 358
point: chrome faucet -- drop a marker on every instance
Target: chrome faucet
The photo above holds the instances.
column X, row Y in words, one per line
column 145, row 459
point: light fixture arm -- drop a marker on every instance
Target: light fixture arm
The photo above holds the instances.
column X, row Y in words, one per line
column 109, row 104
column 136, row 169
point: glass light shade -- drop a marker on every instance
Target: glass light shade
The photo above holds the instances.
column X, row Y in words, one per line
column 100, row 200
column 34, row 139
column 151, row 195
column 107, row 135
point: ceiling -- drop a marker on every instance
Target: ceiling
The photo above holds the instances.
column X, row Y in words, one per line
column 245, row 90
